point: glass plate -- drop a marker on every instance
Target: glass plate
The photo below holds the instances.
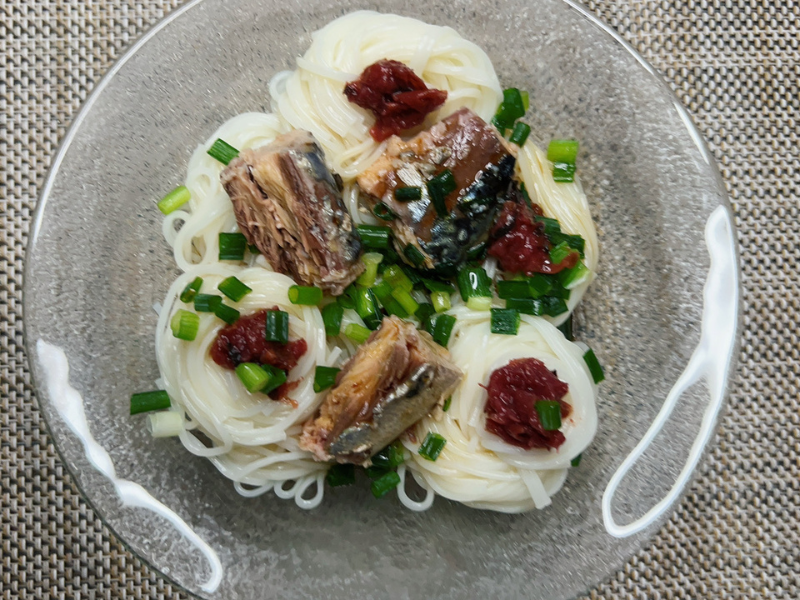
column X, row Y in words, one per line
column 97, row 263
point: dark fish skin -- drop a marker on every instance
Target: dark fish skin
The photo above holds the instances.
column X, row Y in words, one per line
column 396, row 378
column 482, row 167
column 290, row 206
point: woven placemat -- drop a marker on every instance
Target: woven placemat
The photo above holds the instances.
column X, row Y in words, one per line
column 734, row 64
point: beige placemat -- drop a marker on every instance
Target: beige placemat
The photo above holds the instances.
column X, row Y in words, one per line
column 733, row 63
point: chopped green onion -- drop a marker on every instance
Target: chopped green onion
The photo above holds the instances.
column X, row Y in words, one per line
column 348, row 297
column 443, row 328
column 390, row 457
column 371, row 261
column 277, row 377
column 505, row 321
column 575, row 242
column 376, row 472
column 413, row 254
column 174, row 200
column 562, row 151
column 207, row 302
column 440, row 301
column 339, row 475
column 551, row 226
column 549, row 414
column 577, row 460
column 553, row 306
column 253, row 249
column 479, row 303
column 324, row 377
column 511, row 108
column 558, row 290
column 474, row 282
column 424, row 312
column 184, row 325
column 526, row 306
column 375, row 236
column 526, row 99
column 147, row 401
column 222, row 151
column 575, row 276
column 477, row 253
column 358, row 333
column 438, row 286
column 383, row 292
column 432, row 447
column 277, row 329
column 514, row 289
column 385, row 484
column 227, row 313
column 234, row 289
column 383, row 212
column 525, row 195
column 447, row 403
column 332, row 318
column 438, row 189
column 406, row 301
column 560, row 252
column 539, row 285
column 520, row 133
column 407, row 194
column 594, row 366
column 566, row 329
column 307, row 295
column 191, row 289
column 563, row 172
column 165, row 424
column 367, row 308
column 232, row 246
column 252, row 376
column 397, row 278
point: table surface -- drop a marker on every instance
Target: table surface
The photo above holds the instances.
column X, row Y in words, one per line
column 733, row 63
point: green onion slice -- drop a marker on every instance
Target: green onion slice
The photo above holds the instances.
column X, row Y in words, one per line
column 432, row 447
column 383, row 212
column 520, row 133
column 424, row 312
column 526, row 306
column 232, row 246
column 385, row 484
column 577, row 460
column 511, row 108
column 563, row 172
column 479, row 303
column 562, row 151
column 184, row 325
column 252, row 376
column 234, row 289
column 398, row 278
column 358, row 333
column 540, row 284
column 147, row 401
column 222, row 151
column 474, row 282
column 443, row 329
column 505, row 321
column 277, row 329
column 165, row 424
column 594, row 366
column 191, row 289
column 560, row 252
column 307, row 295
column 566, row 329
column 447, row 403
column 339, row 475
column 438, row 188
column 438, row 286
column 553, row 306
column 383, row 292
column 375, row 236
column 332, row 318
column 174, row 200
column 407, row 194
column 406, row 300
column 414, row 255
column 324, row 377
column 348, row 297
column 549, row 414
column 514, row 289
column 277, row 377
column 207, row 302
column 367, row 308
column 371, row 261
column 440, row 301
column 227, row 313
column 390, row 457
column 526, row 99
column 575, row 276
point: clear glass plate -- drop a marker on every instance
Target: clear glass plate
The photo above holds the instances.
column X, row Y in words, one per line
column 97, row 263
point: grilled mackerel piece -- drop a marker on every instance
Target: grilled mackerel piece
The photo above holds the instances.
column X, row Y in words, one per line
column 396, row 378
column 289, row 205
column 482, row 167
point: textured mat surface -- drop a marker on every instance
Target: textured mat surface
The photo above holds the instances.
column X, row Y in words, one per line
column 734, row 64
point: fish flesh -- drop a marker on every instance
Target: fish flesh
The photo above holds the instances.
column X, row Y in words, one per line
column 289, row 205
column 395, row 378
column 482, row 165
